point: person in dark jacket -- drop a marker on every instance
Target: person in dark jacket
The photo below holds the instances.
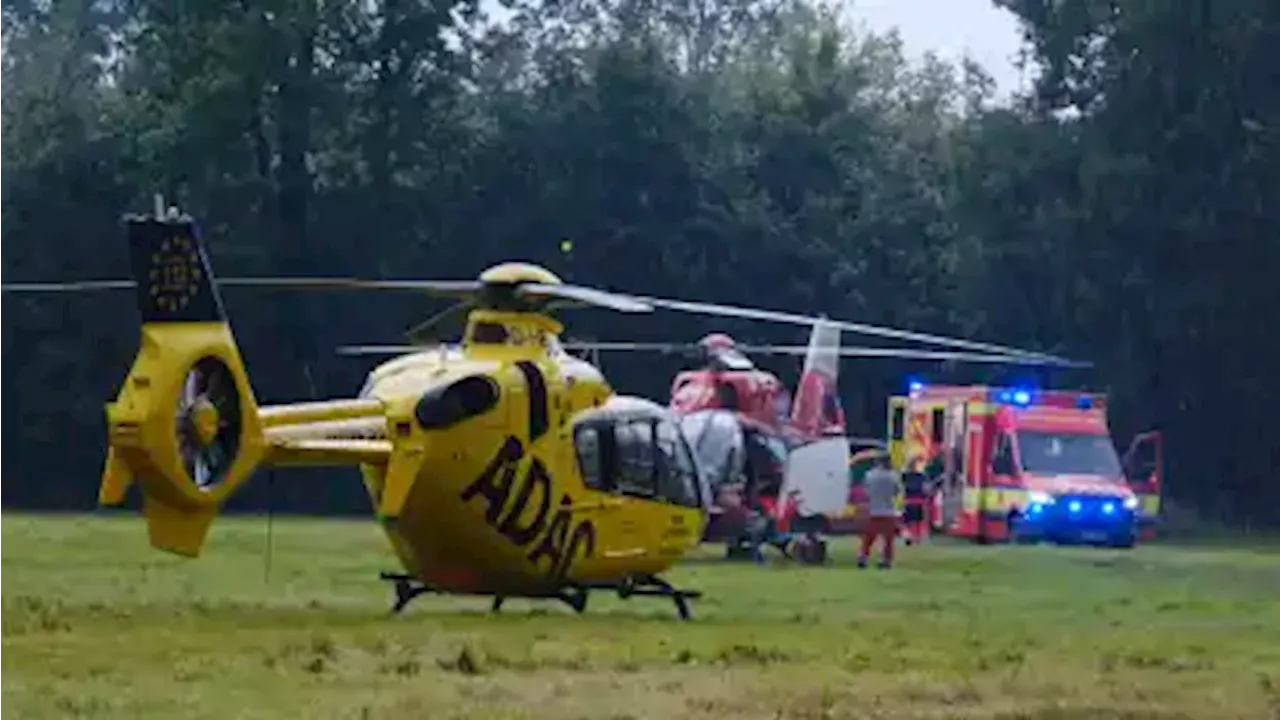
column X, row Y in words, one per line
column 915, row 490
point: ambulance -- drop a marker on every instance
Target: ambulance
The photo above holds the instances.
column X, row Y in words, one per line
column 1026, row 465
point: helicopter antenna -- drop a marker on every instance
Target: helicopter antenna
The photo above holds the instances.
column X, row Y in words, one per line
column 271, row 496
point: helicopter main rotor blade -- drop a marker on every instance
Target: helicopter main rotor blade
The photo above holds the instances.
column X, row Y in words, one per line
column 716, row 310
column 439, row 287
column 910, row 354
column 356, row 350
column 77, row 286
column 844, row 351
column 629, row 346
column 586, row 296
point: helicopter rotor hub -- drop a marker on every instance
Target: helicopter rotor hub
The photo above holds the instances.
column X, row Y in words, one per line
column 205, row 420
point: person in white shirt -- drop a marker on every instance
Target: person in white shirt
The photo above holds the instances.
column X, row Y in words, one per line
column 883, row 487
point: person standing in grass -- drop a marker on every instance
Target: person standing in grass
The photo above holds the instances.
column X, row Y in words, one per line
column 883, row 487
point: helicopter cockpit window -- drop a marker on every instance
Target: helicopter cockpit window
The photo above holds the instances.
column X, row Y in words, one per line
column 732, row 359
column 633, row 441
column 678, row 475
column 487, row 333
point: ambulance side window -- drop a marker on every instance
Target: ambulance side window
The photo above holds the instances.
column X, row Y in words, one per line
column 899, row 420
column 1002, row 463
column 938, row 423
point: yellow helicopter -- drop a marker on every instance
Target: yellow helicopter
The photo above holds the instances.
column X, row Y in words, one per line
column 503, row 467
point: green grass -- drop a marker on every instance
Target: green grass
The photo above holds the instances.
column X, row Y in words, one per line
column 97, row 624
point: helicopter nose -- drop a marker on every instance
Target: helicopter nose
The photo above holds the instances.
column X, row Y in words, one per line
column 448, row 405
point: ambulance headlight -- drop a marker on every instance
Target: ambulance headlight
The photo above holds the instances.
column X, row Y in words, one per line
column 1035, row 497
column 1131, row 503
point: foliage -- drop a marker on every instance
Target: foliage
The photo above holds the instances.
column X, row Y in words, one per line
column 757, row 152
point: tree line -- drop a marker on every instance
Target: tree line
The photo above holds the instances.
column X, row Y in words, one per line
column 762, row 152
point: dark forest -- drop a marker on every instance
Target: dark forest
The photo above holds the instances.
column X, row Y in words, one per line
column 758, row 152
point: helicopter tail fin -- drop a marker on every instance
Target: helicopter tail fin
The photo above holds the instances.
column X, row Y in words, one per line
column 185, row 426
column 816, row 409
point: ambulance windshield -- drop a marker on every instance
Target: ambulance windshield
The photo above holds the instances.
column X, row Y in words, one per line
column 1068, row 454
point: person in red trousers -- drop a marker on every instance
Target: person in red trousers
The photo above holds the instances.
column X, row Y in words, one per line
column 883, row 487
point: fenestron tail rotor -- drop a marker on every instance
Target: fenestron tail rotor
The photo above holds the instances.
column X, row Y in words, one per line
column 208, row 422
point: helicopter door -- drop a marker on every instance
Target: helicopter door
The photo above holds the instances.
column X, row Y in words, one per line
column 1143, row 468
column 952, row 487
column 819, row 472
column 680, row 485
column 637, row 483
column 597, row 458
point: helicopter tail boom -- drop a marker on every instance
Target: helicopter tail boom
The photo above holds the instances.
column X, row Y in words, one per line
column 816, row 406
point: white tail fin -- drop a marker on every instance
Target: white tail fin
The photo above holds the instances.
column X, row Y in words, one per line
column 816, row 409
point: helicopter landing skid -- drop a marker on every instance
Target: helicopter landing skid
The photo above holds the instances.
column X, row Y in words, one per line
column 574, row 595
column 653, row 586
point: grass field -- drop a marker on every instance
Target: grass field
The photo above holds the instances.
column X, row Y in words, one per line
column 98, row 625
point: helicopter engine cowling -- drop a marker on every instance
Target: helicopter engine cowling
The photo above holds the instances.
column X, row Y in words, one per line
column 447, row 405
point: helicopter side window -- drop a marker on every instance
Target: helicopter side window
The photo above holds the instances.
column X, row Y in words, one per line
column 590, row 457
column 678, row 476
column 636, row 469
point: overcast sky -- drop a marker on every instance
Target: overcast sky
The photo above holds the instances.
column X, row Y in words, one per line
column 951, row 28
